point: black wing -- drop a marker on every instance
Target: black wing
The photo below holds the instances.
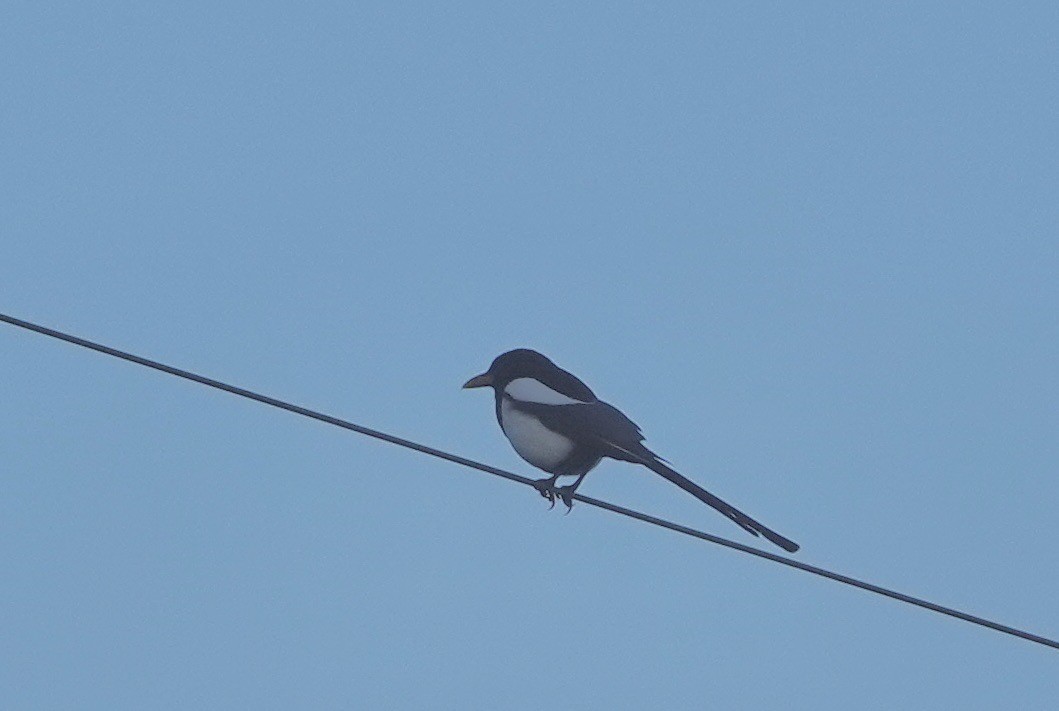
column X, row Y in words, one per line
column 616, row 436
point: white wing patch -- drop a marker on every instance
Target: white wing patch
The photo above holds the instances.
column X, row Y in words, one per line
column 533, row 390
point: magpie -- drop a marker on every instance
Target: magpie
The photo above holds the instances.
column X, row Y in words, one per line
column 556, row 423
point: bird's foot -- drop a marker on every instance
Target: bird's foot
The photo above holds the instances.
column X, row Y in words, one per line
column 566, row 495
column 546, row 488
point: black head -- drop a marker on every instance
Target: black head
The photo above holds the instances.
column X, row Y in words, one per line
column 519, row 363
column 524, row 363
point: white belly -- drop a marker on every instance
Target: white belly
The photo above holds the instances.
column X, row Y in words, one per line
column 534, row 442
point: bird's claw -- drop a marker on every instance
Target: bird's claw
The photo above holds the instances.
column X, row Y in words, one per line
column 566, row 495
column 546, row 488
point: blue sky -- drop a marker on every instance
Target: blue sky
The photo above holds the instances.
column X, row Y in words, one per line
column 810, row 249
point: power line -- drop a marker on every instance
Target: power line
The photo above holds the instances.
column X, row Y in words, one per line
column 614, row 508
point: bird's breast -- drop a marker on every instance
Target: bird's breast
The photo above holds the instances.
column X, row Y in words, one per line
column 534, row 442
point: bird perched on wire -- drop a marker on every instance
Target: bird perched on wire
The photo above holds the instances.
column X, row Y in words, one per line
column 556, row 423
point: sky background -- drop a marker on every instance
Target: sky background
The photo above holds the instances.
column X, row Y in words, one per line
column 811, row 249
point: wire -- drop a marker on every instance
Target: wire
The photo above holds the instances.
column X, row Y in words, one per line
column 614, row 508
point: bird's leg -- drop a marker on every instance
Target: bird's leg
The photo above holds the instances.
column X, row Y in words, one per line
column 566, row 493
column 546, row 488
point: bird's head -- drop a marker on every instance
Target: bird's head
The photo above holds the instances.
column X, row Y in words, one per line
column 519, row 363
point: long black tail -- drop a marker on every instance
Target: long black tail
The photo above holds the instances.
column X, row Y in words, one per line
column 727, row 509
